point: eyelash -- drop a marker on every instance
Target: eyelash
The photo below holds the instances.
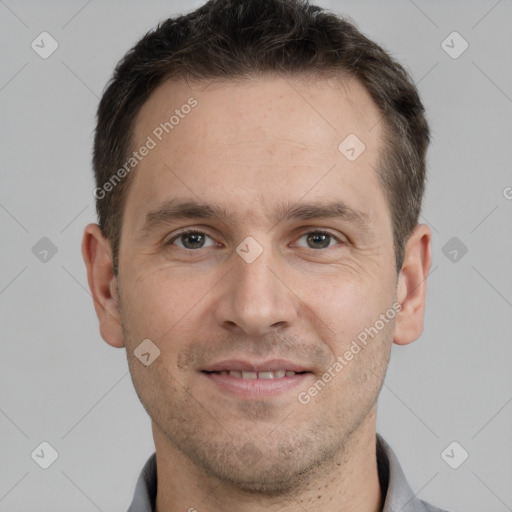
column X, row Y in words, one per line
column 195, row 231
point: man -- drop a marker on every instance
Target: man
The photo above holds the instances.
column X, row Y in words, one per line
column 260, row 167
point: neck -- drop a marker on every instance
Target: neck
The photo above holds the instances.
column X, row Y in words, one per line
column 349, row 482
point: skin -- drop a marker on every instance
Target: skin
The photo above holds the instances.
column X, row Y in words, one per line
column 250, row 145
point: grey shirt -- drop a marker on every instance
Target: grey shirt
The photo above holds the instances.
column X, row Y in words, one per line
column 398, row 495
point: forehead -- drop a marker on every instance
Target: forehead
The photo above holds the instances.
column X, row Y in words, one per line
column 245, row 110
column 270, row 137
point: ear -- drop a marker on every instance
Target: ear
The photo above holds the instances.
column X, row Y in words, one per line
column 412, row 286
column 96, row 253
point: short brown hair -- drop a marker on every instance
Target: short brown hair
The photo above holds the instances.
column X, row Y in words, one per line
column 242, row 38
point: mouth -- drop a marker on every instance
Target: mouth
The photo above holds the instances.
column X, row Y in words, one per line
column 266, row 374
column 256, row 380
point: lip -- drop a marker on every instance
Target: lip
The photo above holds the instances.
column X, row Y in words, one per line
column 256, row 388
column 248, row 366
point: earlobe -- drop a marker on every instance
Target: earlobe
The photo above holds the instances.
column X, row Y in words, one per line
column 102, row 283
column 412, row 286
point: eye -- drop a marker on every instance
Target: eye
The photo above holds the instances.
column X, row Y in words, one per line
column 194, row 239
column 319, row 239
column 190, row 239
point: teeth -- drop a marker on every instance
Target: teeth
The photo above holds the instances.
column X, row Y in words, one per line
column 276, row 374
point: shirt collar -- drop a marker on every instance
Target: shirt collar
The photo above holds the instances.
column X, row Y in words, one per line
column 398, row 496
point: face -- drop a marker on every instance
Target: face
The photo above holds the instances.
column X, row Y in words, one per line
column 269, row 280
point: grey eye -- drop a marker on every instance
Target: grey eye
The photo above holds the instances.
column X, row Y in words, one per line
column 191, row 240
column 318, row 239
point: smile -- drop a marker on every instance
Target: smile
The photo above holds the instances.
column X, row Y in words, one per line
column 247, row 375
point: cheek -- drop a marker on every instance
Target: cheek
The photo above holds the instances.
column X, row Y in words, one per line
column 345, row 307
column 160, row 301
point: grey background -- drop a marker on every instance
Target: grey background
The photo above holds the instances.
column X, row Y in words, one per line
column 60, row 383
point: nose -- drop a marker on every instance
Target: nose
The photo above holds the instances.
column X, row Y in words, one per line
column 256, row 297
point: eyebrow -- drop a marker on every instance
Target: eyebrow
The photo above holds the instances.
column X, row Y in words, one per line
column 176, row 209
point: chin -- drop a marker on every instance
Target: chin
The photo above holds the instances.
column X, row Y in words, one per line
column 269, row 480
column 265, row 470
